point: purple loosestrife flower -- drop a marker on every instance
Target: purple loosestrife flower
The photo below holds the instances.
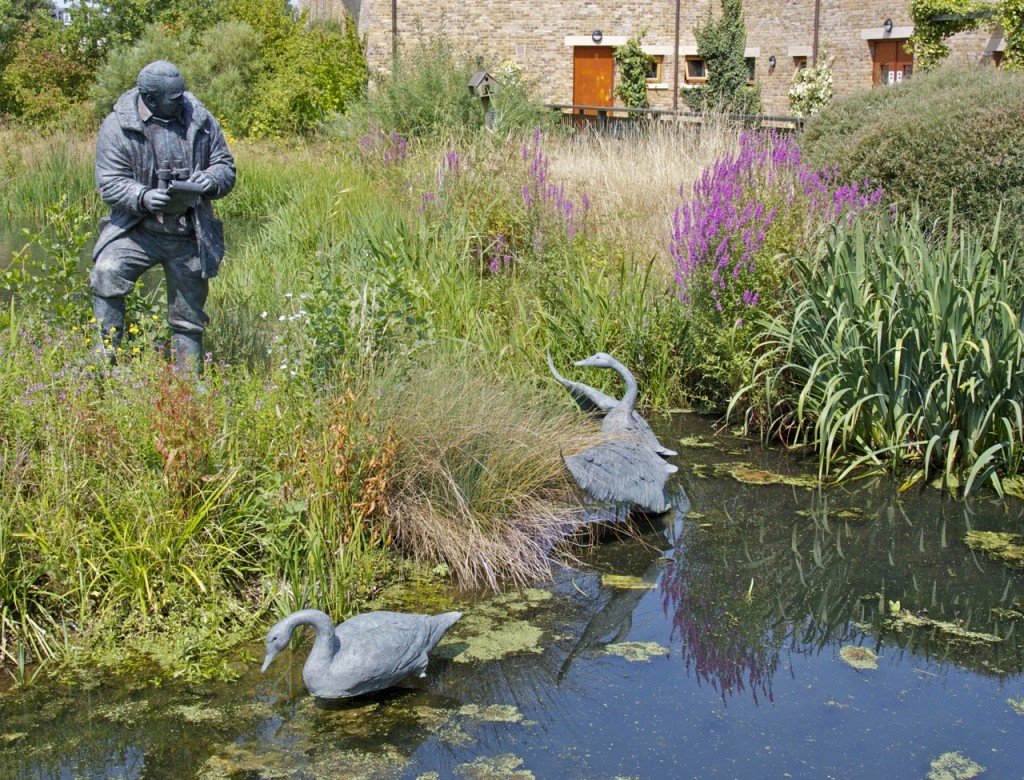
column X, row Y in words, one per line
column 720, row 230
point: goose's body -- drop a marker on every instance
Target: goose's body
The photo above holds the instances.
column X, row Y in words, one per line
column 368, row 652
column 628, row 466
column 590, row 399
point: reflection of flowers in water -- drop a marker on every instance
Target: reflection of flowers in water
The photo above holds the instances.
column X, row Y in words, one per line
column 727, row 637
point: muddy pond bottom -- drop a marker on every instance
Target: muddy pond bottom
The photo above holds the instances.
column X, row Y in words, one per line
column 764, row 628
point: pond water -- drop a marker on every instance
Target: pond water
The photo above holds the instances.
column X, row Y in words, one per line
column 743, row 636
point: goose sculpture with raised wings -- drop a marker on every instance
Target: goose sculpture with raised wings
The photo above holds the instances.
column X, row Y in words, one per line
column 628, row 466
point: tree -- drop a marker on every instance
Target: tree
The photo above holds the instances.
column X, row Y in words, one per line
column 721, row 42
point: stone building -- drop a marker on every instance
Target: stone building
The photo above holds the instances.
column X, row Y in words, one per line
column 566, row 47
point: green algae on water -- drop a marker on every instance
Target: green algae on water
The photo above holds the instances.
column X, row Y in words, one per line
column 492, row 713
column 503, row 767
column 859, row 657
column 637, row 651
column 954, row 766
column 626, row 582
column 1017, row 705
column 1003, row 547
column 488, row 633
column 695, row 442
column 953, row 633
column 747, row 474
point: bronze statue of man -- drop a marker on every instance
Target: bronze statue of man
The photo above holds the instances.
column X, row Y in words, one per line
column 161, row 159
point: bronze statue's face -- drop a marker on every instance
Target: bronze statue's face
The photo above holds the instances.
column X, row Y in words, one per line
column 168, row 101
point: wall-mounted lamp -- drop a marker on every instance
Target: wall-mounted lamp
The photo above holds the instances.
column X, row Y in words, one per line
column 887, row 26
column 771, row 61
column 596, row 36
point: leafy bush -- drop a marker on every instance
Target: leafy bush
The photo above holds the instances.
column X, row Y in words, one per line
column 811, row 90
column 425, row 95
column 319, row 71
column 254, row 88
column 891, row 351
column 731, row 241
column 956, row 131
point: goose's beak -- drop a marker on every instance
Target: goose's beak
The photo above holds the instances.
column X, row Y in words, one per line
column 266, row 661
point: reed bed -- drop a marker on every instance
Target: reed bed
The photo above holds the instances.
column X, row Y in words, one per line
column 898, row 353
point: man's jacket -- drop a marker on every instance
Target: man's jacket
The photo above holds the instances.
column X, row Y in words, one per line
column 126, row 169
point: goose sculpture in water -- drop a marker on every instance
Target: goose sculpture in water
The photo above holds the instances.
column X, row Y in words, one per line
column 368, row 652
column 628, row 466
column 590, row 399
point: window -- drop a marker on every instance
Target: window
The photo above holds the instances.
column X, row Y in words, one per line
column 696, row 69
column 799, row 63
column 654, row 68
column 751, row 69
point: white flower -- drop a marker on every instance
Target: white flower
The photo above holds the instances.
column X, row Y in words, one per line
column 263, row 315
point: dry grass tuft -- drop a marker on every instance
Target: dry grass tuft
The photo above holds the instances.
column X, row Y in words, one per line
column 481, row 485
column 634, row 183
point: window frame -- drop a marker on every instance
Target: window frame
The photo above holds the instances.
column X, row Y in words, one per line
column 686, row 69
column 657, row 61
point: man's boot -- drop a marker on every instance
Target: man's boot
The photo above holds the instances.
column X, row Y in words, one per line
column 187, row 349
column 109, row 315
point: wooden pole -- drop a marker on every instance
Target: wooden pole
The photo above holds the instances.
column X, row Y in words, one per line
column 675, row 60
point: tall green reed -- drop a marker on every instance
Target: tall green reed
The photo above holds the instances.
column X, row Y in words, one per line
column 898, row 353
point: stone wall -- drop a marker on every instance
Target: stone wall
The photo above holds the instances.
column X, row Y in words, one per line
column 540, row 36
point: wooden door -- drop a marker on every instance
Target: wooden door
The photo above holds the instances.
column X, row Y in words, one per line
column 891, row 63
column 593, row 72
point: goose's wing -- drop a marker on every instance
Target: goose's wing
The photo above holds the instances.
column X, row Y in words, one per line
column 646, row 434
column 378, row 649
column 622, row 471
column 587, row 398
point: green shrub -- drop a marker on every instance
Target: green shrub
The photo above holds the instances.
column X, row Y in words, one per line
column 426, row 95
column 954, row 131
column 892, row 351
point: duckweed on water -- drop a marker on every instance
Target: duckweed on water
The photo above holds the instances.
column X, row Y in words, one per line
column 126, row 714
column 492, row 713
column 486, row 633
column 695, row 442
column 503, row 767
column 953, row 766
column 748, row 475
column 1003, row 547
column 626, row 582
column 951, row 632
column 637, row 651
column 859, row 657
column 1017, row 705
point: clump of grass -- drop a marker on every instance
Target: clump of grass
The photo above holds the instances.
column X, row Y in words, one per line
column 480, row 484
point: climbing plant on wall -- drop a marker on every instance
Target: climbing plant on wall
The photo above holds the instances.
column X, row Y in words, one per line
column 936, row 20
column 633, row 67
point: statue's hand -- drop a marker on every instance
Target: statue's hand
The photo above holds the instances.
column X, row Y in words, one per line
column 202, row 177
column 155, row 201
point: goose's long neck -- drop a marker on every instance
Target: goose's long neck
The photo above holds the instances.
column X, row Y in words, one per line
column 325, row 644
column 629, row 399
